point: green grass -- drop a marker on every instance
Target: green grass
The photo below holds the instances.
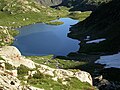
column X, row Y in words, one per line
column 23, row 70
column 73, row 62
column 56, row 62
column 18, row 20
column 79, row 15
column 16, row 13
column 47, row 83
column 9, row 66
column 55, row 23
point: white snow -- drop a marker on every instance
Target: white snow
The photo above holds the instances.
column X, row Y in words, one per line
column 87, row 38
column 110, row 60
column 96, row 41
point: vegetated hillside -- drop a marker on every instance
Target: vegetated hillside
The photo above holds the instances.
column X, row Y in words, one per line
column 23, row 6
column 50, row 2
column 102, row 23
column 14, row 13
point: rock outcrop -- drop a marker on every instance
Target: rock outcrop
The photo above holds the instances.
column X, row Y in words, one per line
column 12, row 56
column 64, row 74
column 8, row 82
column 5, row 37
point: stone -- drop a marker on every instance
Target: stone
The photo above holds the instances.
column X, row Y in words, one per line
column 84, row 77
column 14, row 72
column 31, row 73
column 8, row 82
column 2, row 65
column 99, row 78
column 64, row 74
column 13, row 56
column 34, row 88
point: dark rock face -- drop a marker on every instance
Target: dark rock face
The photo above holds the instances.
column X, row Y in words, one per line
column 102, row 23
column 112, row 74
column 84, row 5
column 109, row 79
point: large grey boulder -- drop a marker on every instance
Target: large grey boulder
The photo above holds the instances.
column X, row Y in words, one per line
column 13, row 56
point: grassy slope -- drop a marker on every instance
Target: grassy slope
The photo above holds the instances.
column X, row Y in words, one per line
column 46, row 82
column 19, row 13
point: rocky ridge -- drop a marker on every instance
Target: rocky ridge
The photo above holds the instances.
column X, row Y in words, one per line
column 12, row 56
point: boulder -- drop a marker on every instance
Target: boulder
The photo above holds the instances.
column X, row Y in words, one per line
column 13, row 56
column 8, row 82
column 84, row 77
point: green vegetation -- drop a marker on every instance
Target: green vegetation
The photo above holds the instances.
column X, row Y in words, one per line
column 79, row 15
column 1, row 58
column 23, row 19
column 56, row 62
column 18, row 13
column 23, row 70
column 73, row 62
column 9, row 66
column 55, row 23
column 44, row 81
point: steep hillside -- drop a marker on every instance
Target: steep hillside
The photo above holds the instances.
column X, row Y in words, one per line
column 83, row 5
column 75, row 5
column 50, row 2
column 104, row 23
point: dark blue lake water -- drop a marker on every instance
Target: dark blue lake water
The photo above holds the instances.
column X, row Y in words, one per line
column 42, row 39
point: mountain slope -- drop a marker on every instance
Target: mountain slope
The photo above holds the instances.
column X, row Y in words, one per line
column 49, row 2
column 75, row 5
column 15, row 13
column 83, row 5
column 102, row 23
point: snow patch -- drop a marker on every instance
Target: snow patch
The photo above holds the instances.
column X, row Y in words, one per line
column 87, row 38
column 110, row 60
column 96, row 41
